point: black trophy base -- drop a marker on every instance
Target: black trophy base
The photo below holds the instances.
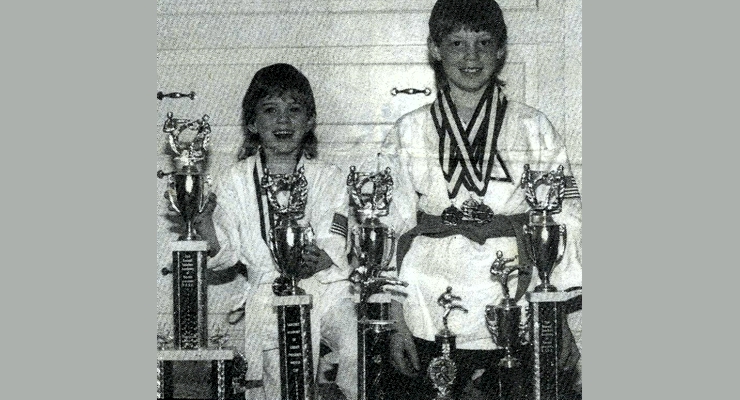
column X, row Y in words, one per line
column 296, row 355
column 190, row 294
column 197, row 374
column 548, row 317
column 373, row 331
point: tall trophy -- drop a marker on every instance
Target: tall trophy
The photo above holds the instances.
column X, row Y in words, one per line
column 442, row 370
column 504, row 321
column 544, row 192
column 287, row 239
column 187, row 196
column 373, row 245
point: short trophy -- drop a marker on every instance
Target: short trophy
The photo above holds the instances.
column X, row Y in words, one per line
column 442, row 370
column 372, row 246
column 546, row 242
column 287, row 239
column 187, row 196
column 504, row 321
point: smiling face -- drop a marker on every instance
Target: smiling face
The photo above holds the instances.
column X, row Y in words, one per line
column 281, row 123
column 469, row 59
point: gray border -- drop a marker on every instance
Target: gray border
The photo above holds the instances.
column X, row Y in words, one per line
column 654, row 328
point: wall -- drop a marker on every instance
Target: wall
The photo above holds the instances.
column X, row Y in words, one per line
column 353, row 52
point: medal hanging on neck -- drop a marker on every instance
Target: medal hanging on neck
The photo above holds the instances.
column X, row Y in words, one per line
column 469, row 155
column 269, row 209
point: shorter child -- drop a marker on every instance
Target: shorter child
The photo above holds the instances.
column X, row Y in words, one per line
column 279, row 119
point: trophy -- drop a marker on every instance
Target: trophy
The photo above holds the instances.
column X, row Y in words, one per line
column 546, row 239
column 504, row 319
column 187, row 196
column 442, row 369
column 186, row 193
column 544, row 192
column 372, row 245
column 286, row 241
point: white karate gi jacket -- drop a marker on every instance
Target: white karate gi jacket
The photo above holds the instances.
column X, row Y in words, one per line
column 411, row 149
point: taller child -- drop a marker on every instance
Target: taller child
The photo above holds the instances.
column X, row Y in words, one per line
column 466, row 152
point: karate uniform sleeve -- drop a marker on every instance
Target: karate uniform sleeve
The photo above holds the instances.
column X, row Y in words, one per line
column 329, row 202
column 226, row 226
column 402, row 210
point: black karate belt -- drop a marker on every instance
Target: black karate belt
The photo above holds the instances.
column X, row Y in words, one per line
column 498, row 226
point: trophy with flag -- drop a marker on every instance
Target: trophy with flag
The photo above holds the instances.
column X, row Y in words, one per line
column 544, row 191
column 373, row 245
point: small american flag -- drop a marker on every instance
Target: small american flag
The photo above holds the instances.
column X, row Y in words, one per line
column 571, row 188
column 339, row 225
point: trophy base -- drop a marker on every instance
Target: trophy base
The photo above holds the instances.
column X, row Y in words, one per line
column 222, row 364
column 373, row 331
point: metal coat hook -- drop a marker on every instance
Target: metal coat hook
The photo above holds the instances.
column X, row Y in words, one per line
column 175, row 95
column 426, row 91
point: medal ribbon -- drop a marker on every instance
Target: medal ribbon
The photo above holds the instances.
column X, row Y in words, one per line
column 467, row 155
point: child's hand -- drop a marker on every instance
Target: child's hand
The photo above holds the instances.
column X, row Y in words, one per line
column 316, row 260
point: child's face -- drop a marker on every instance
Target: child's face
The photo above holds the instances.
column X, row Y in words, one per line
column 281, row 123
column 468, row 58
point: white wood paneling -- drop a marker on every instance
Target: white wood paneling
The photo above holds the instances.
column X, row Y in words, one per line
column 260, row 31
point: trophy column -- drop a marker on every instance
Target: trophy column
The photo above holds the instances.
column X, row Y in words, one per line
column 504, row 323
column 372, row 342
column 186, row 194
column 546, row 241
column 296, row 355
column 189, row 294
column 548, row 321
column 286, row 241
column 373, row 245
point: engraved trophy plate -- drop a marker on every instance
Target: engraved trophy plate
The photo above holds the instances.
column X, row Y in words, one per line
column 190, row 295
column 296, row 354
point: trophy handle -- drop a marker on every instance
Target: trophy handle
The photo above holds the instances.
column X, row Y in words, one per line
column 561, row 246
column 273, row 250
column 492, row 322
column 388, row 257
column 355, row 246
column 204, row 194
column 173, row 203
